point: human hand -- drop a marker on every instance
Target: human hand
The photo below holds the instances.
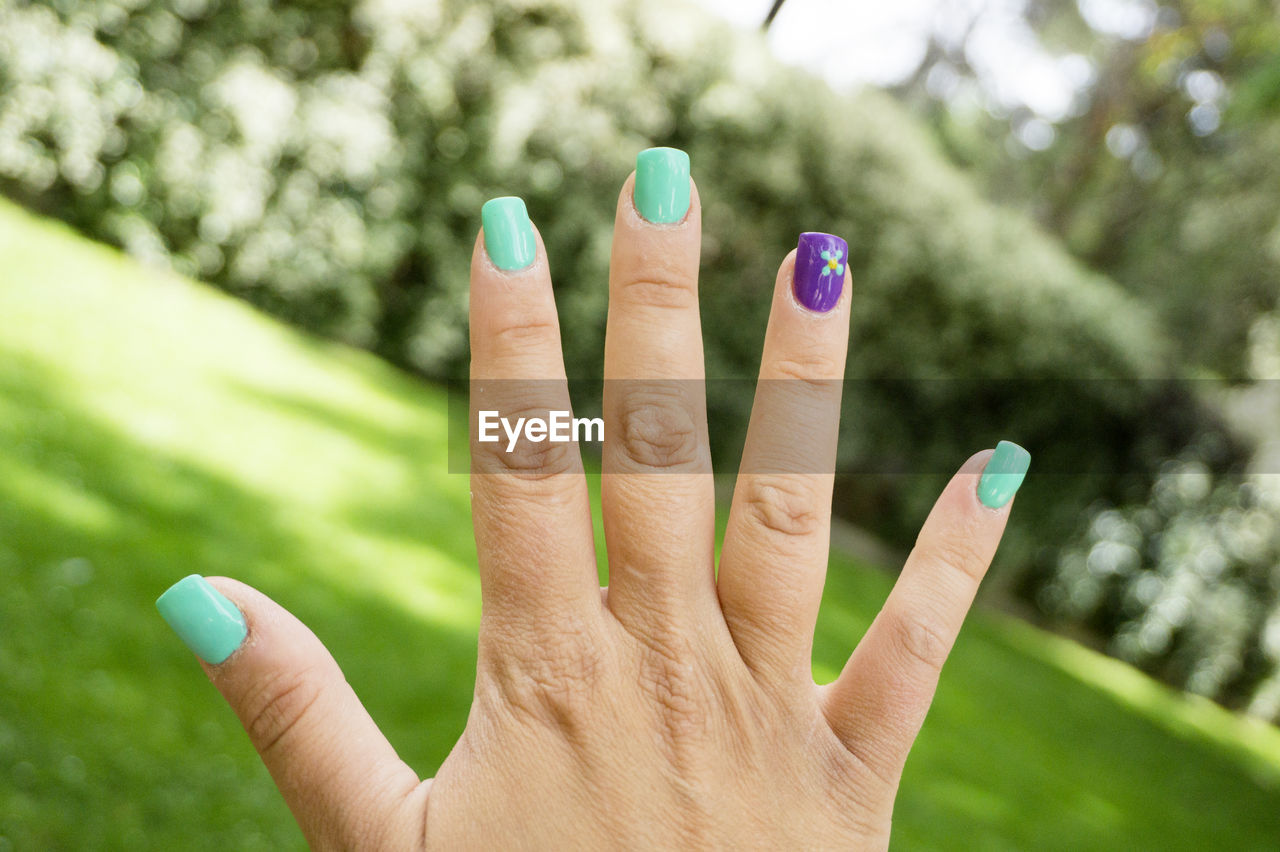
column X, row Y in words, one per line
column 676, row 708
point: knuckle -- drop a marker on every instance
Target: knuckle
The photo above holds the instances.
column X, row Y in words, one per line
column 856, row 786
column 656, row 429
column 526, row 459
column 276, row 707
column 553, row 680
column 782, row 506
column 530, row 460
column 526, row 334
column 813, row 368
column 860, row 771
column 920, row 641
column 959, row 554
column 674, row 683
column 852, row 770
column 661, row 288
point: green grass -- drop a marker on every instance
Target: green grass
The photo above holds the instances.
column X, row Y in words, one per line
column 151, row 428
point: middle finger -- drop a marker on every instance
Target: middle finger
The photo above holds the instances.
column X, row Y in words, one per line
column 657, row 494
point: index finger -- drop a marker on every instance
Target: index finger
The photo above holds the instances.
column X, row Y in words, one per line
column 529, row 499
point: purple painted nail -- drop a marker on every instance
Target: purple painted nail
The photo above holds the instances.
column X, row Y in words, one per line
column 819, row 274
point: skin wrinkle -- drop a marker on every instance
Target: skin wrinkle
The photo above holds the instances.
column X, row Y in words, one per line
column 554, row 681
column 782, row 507
column 657, row 432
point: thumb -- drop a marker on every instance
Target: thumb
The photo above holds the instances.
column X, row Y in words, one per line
column 343, row 781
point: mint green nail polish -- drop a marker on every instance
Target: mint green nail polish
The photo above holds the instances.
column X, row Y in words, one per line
column 661, row 191
column 508, row 233
column 1003, row 474
column 202, row 617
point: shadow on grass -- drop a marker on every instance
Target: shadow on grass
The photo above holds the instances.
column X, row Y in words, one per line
column 434, row 499
column 109, row 733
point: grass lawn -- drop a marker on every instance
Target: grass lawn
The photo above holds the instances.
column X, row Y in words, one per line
column 151, row 428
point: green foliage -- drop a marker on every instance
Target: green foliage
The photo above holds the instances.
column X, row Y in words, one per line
column 1186, row 584
column 150, row 428
column 1164, row 176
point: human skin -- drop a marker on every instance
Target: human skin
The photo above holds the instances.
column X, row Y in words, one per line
column 675, row 708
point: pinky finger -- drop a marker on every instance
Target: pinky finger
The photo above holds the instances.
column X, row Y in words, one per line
column 878, row 704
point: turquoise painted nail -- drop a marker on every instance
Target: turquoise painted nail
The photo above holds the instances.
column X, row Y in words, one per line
column 508, row 233
column 1003, row 474
column 662, row 185
column 203, row 618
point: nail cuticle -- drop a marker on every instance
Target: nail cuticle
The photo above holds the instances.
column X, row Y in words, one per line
column 660, row 225
column 801, row 308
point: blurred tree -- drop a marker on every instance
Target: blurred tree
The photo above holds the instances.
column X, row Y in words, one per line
column 1162, row 173
column 1185, row 584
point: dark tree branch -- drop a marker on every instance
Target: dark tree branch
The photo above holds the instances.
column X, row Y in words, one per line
column 773, row 13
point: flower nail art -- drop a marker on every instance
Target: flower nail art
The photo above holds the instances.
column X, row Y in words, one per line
column 833, row 259
column 819, row 272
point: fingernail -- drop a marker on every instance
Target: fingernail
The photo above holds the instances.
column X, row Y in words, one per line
column 1003, row 474
column 661, row 191
column 202, row 617
column 508, row 233
column 819, row 273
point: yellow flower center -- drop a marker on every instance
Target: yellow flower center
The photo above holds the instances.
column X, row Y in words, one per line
column 832, row 263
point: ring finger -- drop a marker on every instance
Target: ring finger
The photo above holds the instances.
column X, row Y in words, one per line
column 775, row 549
